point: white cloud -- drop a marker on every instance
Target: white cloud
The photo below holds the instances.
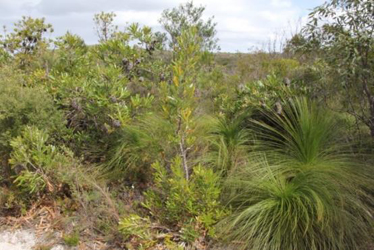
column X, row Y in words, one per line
column 149, row 18
column 281, row 3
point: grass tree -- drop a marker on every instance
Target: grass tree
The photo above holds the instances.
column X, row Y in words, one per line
column 300, row 189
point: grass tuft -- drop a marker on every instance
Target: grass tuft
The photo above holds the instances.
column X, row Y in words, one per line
column 302, row 188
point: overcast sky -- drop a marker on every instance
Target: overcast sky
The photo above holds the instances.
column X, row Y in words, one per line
column 242, row 24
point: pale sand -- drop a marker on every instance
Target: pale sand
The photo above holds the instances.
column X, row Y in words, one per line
column 20, row 240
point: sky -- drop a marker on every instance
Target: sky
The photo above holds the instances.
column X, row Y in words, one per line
column 242, row 25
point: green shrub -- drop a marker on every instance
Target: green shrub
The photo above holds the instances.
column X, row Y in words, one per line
column 24, row 106
column 39, row 168
column 264, row 93
column 4, row 57
column 135, row 226
column 281, row 67
column 72, row 56
column 302, row 189
column 179, row 208
column 98, row 105
column 27, row 42
column 188, row 205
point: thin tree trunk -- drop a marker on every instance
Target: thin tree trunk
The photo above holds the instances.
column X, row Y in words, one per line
column 184, row 157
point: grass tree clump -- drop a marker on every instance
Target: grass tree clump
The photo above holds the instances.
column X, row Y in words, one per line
column 229, row 144
column 300, row 190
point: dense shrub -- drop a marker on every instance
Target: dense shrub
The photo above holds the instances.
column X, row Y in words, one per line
column 71, row 56
column 189, row 208
column 21, row 106
column 39, row 168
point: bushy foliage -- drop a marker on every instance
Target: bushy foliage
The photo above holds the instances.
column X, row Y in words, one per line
column 105, row 87
column 188, row 208
column 39, row 167
column 265, row 92
column 21, row 106
column 338, row 30
column 27, row 39
column 44, row 173
column 184, row 17
column 176, row 199
column 134, row 225
column 71, row 56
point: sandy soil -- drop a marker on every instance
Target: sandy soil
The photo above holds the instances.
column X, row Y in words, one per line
column 20, row 240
